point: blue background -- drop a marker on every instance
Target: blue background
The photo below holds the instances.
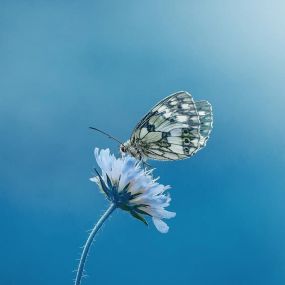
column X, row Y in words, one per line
column 66, row 65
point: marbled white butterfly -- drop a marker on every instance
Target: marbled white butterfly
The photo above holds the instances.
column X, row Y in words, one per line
column 175, row 128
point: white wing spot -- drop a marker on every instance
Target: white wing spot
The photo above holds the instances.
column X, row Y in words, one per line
column 173, row 103
column 152, row 119
column 162, row 108
column 152, row 137
column 143, row 132
column 177, row 149
column 167, row 115
column 170, row 155
column 185, row 106
column 176, row 140
column 176, row 132
column 182, row 118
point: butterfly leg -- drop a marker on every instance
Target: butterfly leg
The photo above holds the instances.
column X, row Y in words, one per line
column 146, row 166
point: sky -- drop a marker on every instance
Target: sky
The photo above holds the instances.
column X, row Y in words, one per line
column 68, row 65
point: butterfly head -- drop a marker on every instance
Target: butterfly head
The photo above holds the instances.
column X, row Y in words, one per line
column 123, row 149
column 128, row 148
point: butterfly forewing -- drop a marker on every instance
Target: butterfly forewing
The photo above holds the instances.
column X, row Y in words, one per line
column 175, row 128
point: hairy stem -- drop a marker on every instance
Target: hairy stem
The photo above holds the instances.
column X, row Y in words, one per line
column 89, row 242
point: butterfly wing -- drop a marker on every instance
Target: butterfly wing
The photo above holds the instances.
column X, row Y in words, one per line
column 175, row 128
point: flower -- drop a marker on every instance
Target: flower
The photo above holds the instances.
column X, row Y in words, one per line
column 132, row 188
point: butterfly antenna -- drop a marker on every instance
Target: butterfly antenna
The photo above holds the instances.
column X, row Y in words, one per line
column 104, row 133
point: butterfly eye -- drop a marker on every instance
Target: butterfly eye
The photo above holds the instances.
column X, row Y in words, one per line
column 123, row 148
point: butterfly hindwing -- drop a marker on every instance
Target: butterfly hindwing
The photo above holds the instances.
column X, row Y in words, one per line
column 174, row 129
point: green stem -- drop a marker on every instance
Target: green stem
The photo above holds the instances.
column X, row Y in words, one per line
column 89, row 242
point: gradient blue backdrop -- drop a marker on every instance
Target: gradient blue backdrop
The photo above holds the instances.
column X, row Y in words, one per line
column 66, row 65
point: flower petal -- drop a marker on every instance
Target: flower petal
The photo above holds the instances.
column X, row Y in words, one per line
column 159, row 213
column 160, row 225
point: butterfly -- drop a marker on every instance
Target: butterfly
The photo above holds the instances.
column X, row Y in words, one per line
column 174, row 129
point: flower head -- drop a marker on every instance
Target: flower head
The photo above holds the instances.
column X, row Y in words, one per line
column 133, row 189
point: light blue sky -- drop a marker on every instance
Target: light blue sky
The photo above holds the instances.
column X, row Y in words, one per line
column 66, row 65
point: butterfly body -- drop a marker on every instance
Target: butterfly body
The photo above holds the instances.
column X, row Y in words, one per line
column 175, row 128
column 134, row 150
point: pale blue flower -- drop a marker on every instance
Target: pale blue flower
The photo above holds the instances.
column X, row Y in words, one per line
column 133, row 189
